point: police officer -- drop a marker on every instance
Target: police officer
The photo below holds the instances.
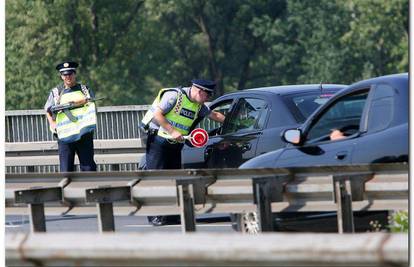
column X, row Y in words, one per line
column 172, row 116
column 73, row 127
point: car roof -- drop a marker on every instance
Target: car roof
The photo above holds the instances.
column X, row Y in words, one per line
column 396, row 80
column 391, row 79
column 289, row 89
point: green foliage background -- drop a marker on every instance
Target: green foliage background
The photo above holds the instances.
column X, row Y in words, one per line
column 129, row 49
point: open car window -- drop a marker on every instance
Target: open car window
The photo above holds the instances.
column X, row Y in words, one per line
column 222, row 107
column 249, row 115
column 343, row 115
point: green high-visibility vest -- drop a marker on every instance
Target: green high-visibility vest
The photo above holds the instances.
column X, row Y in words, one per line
column 181, row 116
column 69, row 131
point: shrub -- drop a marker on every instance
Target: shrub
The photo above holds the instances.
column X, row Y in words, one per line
column 399, row 222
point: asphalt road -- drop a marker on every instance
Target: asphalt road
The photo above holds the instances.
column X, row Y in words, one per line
column 89, row 223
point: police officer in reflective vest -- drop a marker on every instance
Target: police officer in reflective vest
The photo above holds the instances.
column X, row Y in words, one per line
column 73, row 127
column 171, row 117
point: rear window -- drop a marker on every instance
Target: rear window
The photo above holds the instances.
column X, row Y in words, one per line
column 303, row 105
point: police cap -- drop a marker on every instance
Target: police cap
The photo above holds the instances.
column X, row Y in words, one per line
column 67, row 67
column 205, row 85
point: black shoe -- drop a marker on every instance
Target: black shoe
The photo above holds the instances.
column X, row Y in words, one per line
column 157, row 220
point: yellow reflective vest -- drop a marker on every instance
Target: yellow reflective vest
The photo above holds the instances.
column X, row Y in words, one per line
column 181, row 116
column 69, row 131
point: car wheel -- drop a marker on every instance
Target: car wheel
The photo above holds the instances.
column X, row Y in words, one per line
column 246, row 222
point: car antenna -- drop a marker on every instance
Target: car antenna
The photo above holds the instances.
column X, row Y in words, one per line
column 320, row 86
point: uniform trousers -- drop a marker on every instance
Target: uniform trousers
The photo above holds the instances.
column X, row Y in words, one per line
column 83, row 148
column 161, row 154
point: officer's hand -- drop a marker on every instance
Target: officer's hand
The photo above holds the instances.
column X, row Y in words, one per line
column 81, row 102
column 176, row 135
column 53, row 125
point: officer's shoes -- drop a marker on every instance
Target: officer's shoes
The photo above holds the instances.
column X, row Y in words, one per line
column 157, row 220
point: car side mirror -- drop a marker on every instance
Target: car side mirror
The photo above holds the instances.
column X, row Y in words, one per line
column 292, row 136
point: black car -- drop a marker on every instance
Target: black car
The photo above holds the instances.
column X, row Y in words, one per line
column 254, row 121
column 371, row 114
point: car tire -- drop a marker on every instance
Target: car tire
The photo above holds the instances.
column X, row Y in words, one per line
column 246, row 222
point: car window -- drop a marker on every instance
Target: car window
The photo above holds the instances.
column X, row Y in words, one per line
column 223, row 108
column 345, row 115
column 303, row 105
column 381, row 110
column 249, row 115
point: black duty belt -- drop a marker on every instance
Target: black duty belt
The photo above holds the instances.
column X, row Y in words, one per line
column 152, row 131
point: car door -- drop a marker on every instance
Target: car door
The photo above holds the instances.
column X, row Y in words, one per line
column 384, row 128
column 238, row 138
column 193, row 157
column 318, row 148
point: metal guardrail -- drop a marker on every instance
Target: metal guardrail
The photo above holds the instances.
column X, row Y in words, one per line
column 187, row 192
column 212, row 249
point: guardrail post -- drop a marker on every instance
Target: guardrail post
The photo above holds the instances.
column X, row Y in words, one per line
column 344, row 201
column 265, row 191
column 348, row 188
column 35, row 198
column 186, row 200
column 104, row 196
column 106, row 217
column 190, row 192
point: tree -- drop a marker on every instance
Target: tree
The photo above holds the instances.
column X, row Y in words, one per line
column 377, row 41
column 214, row 38
column 97, row 34
column 129, row 49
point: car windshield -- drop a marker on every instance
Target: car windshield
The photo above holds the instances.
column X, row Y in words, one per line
column 303, row 105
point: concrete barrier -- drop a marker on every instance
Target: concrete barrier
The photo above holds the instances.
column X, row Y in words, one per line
column 195, row 249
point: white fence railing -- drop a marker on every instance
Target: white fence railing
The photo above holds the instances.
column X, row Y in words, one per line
column 119, row 141
column 113, row 122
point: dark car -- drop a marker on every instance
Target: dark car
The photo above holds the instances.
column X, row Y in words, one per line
column 254, row 121
column 372, row 116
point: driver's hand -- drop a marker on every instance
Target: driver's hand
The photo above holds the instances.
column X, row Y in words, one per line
column 336, row 135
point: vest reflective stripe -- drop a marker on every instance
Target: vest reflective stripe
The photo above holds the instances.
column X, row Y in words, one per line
column 177, row 125
column 182, row 116
column 69, row 131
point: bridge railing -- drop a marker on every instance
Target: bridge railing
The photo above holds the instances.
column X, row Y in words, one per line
column 119, row 142
column 343, row 189
column 113, row 122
